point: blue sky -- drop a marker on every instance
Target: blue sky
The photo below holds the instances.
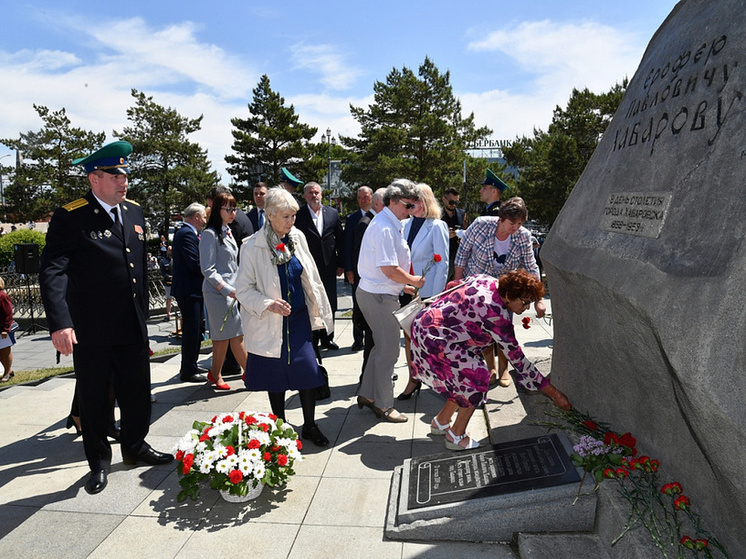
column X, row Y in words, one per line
column 511, row 62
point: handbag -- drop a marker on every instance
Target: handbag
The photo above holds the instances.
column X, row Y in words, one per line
column 405, row 315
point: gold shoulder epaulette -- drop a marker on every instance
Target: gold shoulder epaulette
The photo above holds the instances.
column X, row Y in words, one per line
column 75, row 204
column 131, row 201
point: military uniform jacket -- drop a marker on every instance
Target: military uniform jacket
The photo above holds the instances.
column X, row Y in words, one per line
column 93, row 275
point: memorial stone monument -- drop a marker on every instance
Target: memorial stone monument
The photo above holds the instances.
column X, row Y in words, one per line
column 646, row 264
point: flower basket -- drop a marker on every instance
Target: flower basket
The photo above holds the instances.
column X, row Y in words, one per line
column 237, row 453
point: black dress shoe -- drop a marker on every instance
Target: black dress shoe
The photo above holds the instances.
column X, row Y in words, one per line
column 314, row 434
column 196, row 377
column 330, row 345
column 357, row 347
column 96, row 482
column 149, row 456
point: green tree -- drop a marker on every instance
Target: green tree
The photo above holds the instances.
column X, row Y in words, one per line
column 270, row 138
column 46, row 178
column 168, row 171
column 413, row 129
column 551, row 162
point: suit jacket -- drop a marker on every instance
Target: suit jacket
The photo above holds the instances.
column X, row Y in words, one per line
column 254, row 218
column 357, row 241
column 241, row 227
column 431, row 239
column 93, row 274
column 327, row 248
column 351, row 222
column 187, row 274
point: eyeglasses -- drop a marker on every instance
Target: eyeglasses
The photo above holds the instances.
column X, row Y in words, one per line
column 408, row 206
column 525, row 303
column 229, row 210
column 451, row 202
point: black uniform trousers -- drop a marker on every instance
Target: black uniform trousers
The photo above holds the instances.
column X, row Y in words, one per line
column 127, row 369
column 192, row 309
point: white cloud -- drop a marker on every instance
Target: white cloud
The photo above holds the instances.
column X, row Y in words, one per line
column 556, row 58
column 326, row 61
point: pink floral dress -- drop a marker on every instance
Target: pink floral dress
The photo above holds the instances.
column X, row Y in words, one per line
column 448, row 338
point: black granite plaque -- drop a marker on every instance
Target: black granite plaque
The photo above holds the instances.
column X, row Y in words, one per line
column 509, row 467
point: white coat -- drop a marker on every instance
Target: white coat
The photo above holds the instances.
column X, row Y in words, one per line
column 258, row 285
column 431, row 239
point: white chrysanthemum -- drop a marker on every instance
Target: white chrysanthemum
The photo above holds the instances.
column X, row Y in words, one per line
column 293, row 452
column 259, row 471
column 254, row 454
column 210, row 456
column 245, row 467
column 220, row 450
column 201, row 446
column 205, row 467
column 222, row 467
column 232, row 460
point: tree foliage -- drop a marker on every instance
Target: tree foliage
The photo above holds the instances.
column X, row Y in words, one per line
column 551, row 162
column 270, row 138
column 45, row 178
column 413, row 129
column 168, row 171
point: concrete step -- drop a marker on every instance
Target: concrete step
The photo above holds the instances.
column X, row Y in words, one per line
column 561, row 546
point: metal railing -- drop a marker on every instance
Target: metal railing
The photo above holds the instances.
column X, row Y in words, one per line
column 26, row 296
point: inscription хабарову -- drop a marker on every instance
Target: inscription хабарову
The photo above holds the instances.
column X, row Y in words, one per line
column 687, row 94
column 635, row 213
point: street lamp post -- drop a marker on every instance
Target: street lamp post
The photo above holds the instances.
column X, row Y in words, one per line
column 2, row 187
column 329, row 163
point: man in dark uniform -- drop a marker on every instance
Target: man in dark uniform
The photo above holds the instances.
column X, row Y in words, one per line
column 94, row 287
column 289, row 182
column 323, row 230
column 492, row 188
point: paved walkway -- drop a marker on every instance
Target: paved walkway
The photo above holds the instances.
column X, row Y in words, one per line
column 334, row 506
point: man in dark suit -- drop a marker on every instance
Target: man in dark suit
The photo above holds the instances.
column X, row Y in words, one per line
column 323, row 230
column 257, row 215
column 364, row 199
column 94, row 286
column 357, row 240
column 455, row 218
column 186, row 288
column 492, row 188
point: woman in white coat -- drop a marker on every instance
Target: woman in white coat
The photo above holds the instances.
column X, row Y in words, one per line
column 427, row 236
column 282, row 301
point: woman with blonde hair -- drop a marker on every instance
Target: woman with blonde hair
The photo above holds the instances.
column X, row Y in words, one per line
column 427, row 237
column 284, row 300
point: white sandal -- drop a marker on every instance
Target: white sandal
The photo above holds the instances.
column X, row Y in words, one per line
column 454, row 444
column 437, row 429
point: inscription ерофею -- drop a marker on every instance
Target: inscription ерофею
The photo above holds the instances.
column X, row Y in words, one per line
column 635, row 213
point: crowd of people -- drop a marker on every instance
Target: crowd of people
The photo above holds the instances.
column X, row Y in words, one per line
column 263, row 285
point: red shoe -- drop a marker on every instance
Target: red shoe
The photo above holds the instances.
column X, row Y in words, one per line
column 219, row 386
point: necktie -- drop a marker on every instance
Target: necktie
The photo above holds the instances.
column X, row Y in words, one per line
column 115, row 215
column 261, row 219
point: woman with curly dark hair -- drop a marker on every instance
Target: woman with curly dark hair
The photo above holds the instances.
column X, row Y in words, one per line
column 448, row 339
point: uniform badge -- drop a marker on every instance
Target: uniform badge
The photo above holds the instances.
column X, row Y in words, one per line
column 107, row 233
column 93, row 235
column 138, row 229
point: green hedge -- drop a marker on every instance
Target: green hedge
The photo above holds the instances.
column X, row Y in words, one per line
column 7, row 254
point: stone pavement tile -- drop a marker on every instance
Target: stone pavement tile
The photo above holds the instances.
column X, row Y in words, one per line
column 448, row 550
column 162, row 503
column 370, row 457
column 27, row 405
column 61, row 535
column 349, row 502
column 364, row 423
column 245, row 539
column 141, row 537
column 277, row 505
column 350, row 542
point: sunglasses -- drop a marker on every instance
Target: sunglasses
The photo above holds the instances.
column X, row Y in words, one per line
column 451, row 202
column 408, row 206
column 526, row 303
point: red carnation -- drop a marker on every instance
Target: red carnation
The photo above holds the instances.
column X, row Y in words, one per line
column 681, row 502
column 621, row 473
column 251, row 420
column 282, row 459
column 592, row 426
column 235, row 476
column 253, row 443
column 611, row 437
column 267, row 457
column 264, row 427
column 687, row 542
column 701, row 544
column 280, row 247
column 272, row 416
column 241, row 415
column 299, row 444
column 188, row 461
column 230, row 450
column 437, row 258
column 204, row 438
column 673, row 488
column 228, row 419
column 609, row 473
column 214, row 419
column 180, row 455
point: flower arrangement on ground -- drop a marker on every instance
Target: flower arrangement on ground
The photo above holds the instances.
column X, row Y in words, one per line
column 664, row 511
column 236, row 452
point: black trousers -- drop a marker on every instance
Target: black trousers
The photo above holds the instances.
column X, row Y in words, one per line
column 192, row 315
column 127, row 369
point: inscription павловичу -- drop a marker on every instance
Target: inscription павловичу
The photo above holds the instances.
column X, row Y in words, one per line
column 635, row 213
column 697, row 108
